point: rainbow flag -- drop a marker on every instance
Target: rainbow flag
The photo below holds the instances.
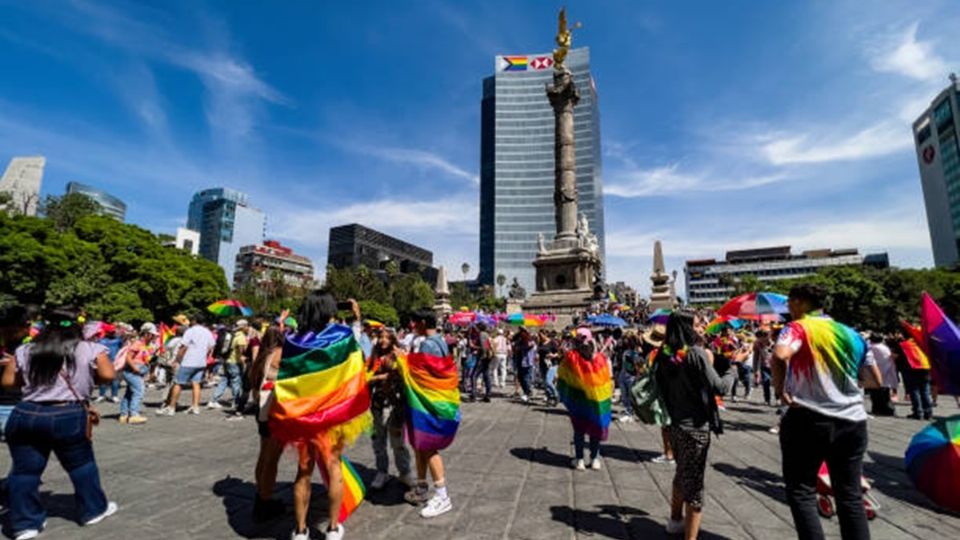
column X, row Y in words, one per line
column 834, row 348
column 515, row 63
column 586, row 391
column 353, row 489
column 915, row 355
column 166, row 334
column 321, row 395
column 432, row 390
column 943, row 344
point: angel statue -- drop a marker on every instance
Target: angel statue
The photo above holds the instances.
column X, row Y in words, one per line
column 564, row 40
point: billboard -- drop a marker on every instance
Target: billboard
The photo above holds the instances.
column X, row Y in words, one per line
column 537, row 62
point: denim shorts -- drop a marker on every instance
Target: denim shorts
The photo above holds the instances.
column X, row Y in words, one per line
column 186, row 375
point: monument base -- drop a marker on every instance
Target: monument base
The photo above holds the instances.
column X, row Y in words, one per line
column 565, row 275
column 564, row 304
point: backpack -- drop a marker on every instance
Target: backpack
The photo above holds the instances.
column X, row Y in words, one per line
column 647, row 402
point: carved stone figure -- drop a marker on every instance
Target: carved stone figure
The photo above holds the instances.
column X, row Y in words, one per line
column 517, row 292
column 541, row 247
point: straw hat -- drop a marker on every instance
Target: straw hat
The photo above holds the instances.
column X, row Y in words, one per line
column 655, row 335
column 180, row 318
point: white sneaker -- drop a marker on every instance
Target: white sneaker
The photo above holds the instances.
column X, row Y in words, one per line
column 193, row 410
column 524, row 398
column 380, row 480
column 115, row 399
column 626, row 419
column 436, row 506
column 300, row 536
column 662, row 458
column 578, row 465
column 100, row 399
column 596, row 465
column 775, row 430
column 674, row 526
column 111, row 510
column 165, row 411
column 214, row 405
column 335, row 534
column 27, row 534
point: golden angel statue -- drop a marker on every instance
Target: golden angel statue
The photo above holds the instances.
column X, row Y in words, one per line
column 564, row 40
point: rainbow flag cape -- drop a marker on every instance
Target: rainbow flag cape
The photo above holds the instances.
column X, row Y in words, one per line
column 586, row 391
column 320, row 395
column 835, row 348
column 915, row 355
column 943, row 344
column 353, row 489
column 431, row 387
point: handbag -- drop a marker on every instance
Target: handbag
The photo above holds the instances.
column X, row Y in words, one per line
column 93, row 415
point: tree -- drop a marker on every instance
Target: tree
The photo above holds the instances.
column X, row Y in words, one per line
column 465, row 269
column 410, row 293
column 67, row 210
column 501, row 281
column 379, row 312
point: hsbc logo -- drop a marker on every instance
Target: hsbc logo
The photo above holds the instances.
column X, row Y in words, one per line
column 541, row 62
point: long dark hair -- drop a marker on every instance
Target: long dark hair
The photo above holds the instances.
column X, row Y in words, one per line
column 53, row 348
column 318, row 308
column 679, row 335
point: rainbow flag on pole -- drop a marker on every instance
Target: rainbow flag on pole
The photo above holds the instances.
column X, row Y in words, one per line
column 432, row 390
column 166, row 334
column 586, row 390
column 942, row 338
column 321, row 396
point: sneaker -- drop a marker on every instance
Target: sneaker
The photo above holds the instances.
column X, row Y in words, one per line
column 336, row 534
column 663, row 459
column 133, row 420
column 100, row 399
column 486, row 399
column 380, row 480
column 27, row 534
column 578, row 465
column 122, row 419
column 165, row 411
column 264, row 511
column 416, row 496
column 214, row 404
column 774, row 430
column 111, row 510
column 193, row 410
column 409, row 480
column 436, row 506
column 596, row 464
column 524, row 398
column 626, row 419
column 674, row 526
column 305, row 535
column 115, row 399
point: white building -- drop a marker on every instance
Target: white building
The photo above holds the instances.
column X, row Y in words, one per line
column 187, row 240
column 938, row 156
column 22, row 181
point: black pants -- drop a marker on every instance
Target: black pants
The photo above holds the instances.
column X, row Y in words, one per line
column 480, row 369
column 880, row 401
column 807, row 439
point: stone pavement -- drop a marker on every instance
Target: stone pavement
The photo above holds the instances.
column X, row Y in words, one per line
column 508, row 474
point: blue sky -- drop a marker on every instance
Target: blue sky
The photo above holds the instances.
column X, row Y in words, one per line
column 724, row 124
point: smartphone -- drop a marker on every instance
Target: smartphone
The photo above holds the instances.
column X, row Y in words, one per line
column 344, row 306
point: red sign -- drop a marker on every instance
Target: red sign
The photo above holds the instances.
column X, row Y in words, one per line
column 928, row 154
column 541, row 62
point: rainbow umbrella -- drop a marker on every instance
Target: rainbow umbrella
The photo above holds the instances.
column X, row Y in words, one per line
column 942, row 339
column 229, row 308
column 524, row 319
column 933, row 462
column 758, row 306
column 660, row 316
column 717, row 325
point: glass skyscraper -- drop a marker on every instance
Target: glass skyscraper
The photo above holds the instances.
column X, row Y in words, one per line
column 226, row 222
column 109, row 205
column 517, row 162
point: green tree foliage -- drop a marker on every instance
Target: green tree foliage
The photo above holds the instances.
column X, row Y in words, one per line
column 410, row 293
column 113, row 270
column 67, row 210
column 377, row 311
column 270, row 295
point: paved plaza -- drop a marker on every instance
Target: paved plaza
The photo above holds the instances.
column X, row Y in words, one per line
column 509, row 477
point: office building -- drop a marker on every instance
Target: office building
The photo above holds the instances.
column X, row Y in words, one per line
column 622, row 293
column 22, row 181
column 186, row 240
column 265, row 264
column 109, row 205
column 938, row 156
column 354, row 245
column 226, row 222
column 517, row 162
column 710, row 281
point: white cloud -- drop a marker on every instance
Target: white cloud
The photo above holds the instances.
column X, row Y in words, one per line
column 904, row 55
column 886, row 137
column 668, row 180
column 418, row 158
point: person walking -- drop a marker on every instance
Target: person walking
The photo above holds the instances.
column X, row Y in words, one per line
column 880, row 397
column 585, row 387
column 56, row 373
column 501, row 351
column 481, row 368
column 386, row 404
column 263, row 375
column 134, row 363
column 233, row 369
column 191, row 363
column 688, row 384
column 524, row 359
column 816, row 366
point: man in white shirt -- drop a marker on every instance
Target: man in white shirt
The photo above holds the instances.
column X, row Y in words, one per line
column 501, row 351
column 198, row 343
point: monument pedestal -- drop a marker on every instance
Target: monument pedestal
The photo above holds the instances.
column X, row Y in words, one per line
column 564, row 281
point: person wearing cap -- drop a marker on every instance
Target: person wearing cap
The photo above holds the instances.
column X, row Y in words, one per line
column 190, row 362
column 135, row 361
column 233, row 369
column 112, row 341
column 501, row 351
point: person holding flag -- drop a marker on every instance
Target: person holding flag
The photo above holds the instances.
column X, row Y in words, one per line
column 321, row 404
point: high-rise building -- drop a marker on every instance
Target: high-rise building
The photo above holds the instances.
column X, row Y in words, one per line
column 938, row 154
column 226, row 222
column 710, row 281
column 260, row 265
column 354, row 245
column 517, row 162
column 22, row 181
column 109, row 205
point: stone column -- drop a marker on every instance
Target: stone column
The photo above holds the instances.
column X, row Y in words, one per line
column 563, row 95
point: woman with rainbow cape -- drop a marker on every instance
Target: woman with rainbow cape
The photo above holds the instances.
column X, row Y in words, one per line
column 431, row 389
column 585, row 386
column 321, row 404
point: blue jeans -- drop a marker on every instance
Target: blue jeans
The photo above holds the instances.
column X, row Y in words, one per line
column 481, row 369
column 114, row 388
column 626, row 381
column 231, row 374
column 550, row 387
column 130, row 403
column 526, row 374
column 766, row 378
column 578, row 444
column 917, row 383
column 745, row 376
column 33, row 431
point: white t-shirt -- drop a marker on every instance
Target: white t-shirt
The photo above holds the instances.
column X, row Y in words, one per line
column 880, row 353
column 198, row 341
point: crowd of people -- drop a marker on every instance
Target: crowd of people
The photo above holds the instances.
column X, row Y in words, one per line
column 315, row 383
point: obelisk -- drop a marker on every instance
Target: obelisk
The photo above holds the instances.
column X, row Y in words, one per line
column 660, row 296
column 442, row 294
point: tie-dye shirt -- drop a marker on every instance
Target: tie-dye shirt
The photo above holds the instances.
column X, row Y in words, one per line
column 823, row 371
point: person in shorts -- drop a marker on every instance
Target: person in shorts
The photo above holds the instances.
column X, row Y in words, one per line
column 198, row 343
